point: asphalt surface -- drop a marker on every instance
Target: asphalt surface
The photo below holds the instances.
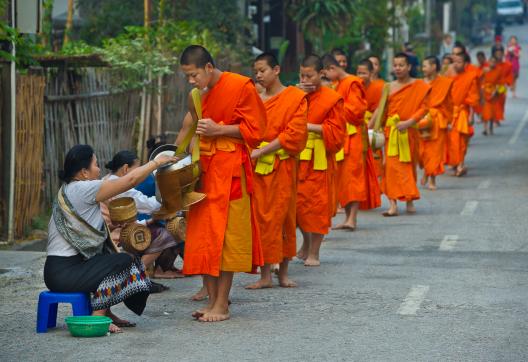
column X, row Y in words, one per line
column 447, row 284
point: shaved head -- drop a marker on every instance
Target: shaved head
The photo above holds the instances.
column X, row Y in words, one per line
column 312, row 61
column 196, row 55
column 329, row 60
column 268, row 58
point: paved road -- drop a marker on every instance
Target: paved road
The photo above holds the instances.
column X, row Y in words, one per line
column 450, row 283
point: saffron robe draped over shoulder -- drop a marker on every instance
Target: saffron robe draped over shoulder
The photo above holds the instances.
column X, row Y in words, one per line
column 440, row 108
column 506, row 81
column 490, row 85
column 373, row 158
column 222, row 234
column 399, row 179
column 315, row 187
column 275, row 192
column 465, row 94
column 351, row 184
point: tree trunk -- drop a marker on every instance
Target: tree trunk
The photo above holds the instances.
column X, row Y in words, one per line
column 69, row 23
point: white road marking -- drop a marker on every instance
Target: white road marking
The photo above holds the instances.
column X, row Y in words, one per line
column 519, row 129
column 469, row 208
column 448, row 243
column 413, row 300
column 484, row 184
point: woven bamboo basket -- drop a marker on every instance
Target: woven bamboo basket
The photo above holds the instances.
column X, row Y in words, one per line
column 177, row 227
column 122, row 210
column 135, row 237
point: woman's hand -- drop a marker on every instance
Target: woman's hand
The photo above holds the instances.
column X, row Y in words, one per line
column 162, row 160
column 209, row 128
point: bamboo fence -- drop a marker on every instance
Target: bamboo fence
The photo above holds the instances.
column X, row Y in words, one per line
column 81, row 108
column 29, row 149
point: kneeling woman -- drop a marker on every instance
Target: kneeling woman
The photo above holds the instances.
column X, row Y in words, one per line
column 81, row 257
column 164, row 248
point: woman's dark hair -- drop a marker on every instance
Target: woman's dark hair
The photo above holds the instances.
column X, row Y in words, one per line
column 77, row 158
column 120, row 159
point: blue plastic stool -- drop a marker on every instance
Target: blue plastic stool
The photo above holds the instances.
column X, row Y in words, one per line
column 48, row 303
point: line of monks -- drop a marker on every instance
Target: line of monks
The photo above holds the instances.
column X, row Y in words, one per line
column 289, row 157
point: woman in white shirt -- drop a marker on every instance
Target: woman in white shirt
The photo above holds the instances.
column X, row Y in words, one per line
column 80, row 254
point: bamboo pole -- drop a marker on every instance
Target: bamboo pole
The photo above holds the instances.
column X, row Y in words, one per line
column 69, row 23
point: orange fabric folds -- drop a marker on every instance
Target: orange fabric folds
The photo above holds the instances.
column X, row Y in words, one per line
column 316, row 189
column 275, row 193
column 218, row 236
column 399, row 179
column 351, row 184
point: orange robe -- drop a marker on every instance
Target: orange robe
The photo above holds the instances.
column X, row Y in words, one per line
column 399, row 179
column 479, row 69
column 433, row 150
column 373, row 159
column 491, row 80
column 316, row 188
column 465, row 94
column 222, row 234
column 351, row 184
column 506, row 81
column 275, row 193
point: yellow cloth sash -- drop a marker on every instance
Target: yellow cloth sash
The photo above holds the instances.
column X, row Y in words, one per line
column 209, row 145
column 351, row 130
column 265, row 163
column 367, row 117
column 315, row 148
column 398, row 140
column 501, row 89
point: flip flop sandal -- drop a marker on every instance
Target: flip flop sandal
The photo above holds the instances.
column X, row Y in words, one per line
column 388, row 214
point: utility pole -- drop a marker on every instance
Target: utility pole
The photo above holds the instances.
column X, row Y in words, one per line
column 12, row 142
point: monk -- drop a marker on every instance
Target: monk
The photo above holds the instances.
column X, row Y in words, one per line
column 506, row 81
column 406, row 105
column 222, row 235
column 465, row 94
column 315, row 185
column 341, row 57
column 373, row 90
column 440, row 106
column 351, row 181
column 275, row 177
column 376, row 64
column 490, row 84
column 481, row 64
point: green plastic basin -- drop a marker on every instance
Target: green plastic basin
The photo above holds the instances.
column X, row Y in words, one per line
column 88, row 326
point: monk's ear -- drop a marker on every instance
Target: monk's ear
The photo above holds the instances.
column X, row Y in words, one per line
column 209, row 68
column 277, row 69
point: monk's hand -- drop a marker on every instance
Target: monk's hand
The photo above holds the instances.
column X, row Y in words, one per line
column 256, row 153
column 306, row 87
column 403, row 125
column 209, row 128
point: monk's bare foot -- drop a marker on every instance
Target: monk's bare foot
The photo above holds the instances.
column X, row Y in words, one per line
column 312, row 262
column 340, row 210
column 200, row 312
column 411, row 209
column 432, row 187
column 390, row 213
column 114, row 329
column 340, row 227
column 260, row 284
column 423, row 181
column 215, row 315
column 169, row 274
column 286, row 282
column 201, row 295
column 302, row 254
